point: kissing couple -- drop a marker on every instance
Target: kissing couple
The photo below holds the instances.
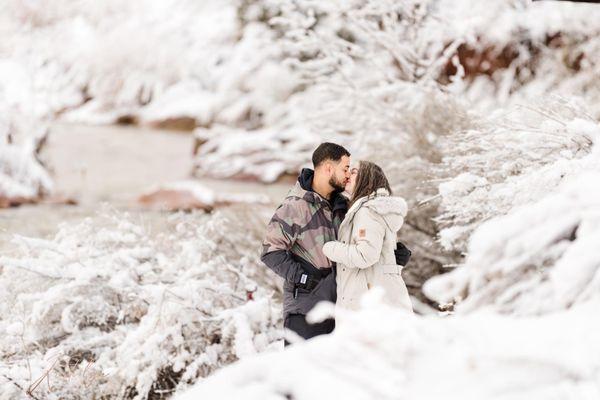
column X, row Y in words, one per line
column 334, row 237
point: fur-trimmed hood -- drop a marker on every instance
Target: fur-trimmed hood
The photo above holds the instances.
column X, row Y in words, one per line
column 391, row 208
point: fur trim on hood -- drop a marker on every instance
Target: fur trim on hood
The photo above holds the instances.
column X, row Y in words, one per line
column 390, row 208
column 385, row 205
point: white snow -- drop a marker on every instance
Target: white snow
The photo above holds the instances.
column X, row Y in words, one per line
column 539, row 258
column 385, row 354
column 505, row 162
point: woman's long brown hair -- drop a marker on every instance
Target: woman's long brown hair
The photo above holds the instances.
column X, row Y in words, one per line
column 370, row 178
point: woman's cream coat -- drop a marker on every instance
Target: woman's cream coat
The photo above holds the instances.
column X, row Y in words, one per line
column 364, row 252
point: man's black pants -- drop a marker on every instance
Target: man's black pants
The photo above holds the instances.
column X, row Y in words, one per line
column 297, row 323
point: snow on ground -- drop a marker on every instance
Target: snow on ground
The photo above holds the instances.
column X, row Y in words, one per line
column 382, row 353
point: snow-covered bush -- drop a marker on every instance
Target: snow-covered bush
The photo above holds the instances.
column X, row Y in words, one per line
column 508, row 160
column 106, row 308
column 540, row 257
column 149, row 61
column 263, row 155
column 23, row 178
column 371, row 66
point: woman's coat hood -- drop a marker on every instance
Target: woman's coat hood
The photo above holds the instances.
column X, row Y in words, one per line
column 391, row 209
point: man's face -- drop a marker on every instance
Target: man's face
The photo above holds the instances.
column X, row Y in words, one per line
column 339, row 174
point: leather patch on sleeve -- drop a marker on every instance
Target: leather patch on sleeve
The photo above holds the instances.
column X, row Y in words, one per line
column 362, row 233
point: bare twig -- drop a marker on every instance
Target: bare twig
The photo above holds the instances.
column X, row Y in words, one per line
column 8, row 378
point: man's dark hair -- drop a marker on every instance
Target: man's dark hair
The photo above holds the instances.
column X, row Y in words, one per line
column 328, row 151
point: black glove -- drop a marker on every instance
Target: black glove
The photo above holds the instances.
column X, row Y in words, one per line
column 402, row 254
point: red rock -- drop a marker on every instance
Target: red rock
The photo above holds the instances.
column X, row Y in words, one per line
column 186, row 124
column 60, row 200
column 7, row 202
column 173, row 200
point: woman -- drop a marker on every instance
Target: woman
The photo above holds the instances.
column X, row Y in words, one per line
column 364, row 252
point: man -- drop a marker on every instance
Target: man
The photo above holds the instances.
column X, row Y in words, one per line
column 309, row 217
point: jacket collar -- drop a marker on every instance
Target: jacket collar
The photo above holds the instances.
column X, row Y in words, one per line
column 361, row 201
column 303, row 189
